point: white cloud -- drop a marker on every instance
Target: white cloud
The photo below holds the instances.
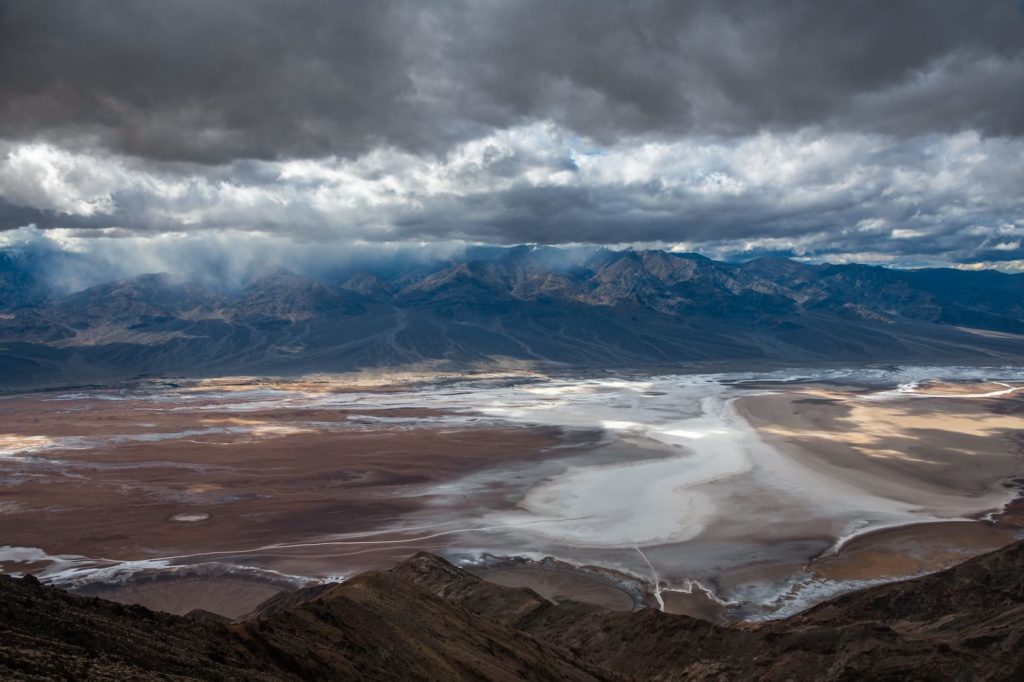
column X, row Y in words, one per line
column 45, row 177
column 805, row 192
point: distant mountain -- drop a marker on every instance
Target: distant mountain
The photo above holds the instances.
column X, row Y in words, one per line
column 283, row 295
column 602, row 308
column 369, row 285
column 20, row 284
column 428, row 620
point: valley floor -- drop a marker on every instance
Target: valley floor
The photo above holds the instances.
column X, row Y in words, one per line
column 727, row 497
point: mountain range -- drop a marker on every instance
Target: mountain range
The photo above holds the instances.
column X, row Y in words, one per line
column 427, row 619
column 554, row 307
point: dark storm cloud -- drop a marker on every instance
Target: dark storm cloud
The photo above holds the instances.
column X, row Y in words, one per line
column 207, row 80
column 734, row 68
column 212, row 81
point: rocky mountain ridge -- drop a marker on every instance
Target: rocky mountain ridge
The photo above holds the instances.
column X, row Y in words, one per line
column 541, row 305
column 427, row 619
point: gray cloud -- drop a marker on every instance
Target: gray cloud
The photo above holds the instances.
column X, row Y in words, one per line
column 210, row 80
column 214, row 81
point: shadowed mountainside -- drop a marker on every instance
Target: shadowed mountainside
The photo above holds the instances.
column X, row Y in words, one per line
column 608, row 309
column 426, row 619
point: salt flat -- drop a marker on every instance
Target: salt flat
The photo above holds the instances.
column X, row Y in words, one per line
column 756, row 494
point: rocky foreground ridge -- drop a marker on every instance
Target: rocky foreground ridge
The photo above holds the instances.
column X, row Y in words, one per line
column 427, row 619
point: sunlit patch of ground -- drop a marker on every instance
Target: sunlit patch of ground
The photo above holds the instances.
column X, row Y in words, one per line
column 871, row 427
column 15, row 444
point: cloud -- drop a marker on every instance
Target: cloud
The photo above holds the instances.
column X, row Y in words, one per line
column 43, row 177
column 806, row 193
column 877, row 130
column 220, row 80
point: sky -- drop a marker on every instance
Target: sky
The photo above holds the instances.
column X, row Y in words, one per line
column 147, row 136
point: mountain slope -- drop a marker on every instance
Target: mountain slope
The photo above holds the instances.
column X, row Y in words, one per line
column 373, row 627
column 611, row 309
column 426, row 619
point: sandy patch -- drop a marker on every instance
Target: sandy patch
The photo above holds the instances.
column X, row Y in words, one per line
column 912, row 550
column 950, row 457
column 230, row 597
column 193, row 517
column 561, row 585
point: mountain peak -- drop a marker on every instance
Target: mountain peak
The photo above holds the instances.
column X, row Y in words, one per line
column 369, row 285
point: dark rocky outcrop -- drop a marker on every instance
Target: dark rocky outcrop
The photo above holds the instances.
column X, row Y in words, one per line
column 427, row 619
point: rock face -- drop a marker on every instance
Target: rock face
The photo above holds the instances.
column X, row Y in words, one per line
column 426, row 619
column 611, row 309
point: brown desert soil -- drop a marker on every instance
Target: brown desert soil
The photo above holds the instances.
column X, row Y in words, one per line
column 274, row 488
column 906, row 449
column 561, row 585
